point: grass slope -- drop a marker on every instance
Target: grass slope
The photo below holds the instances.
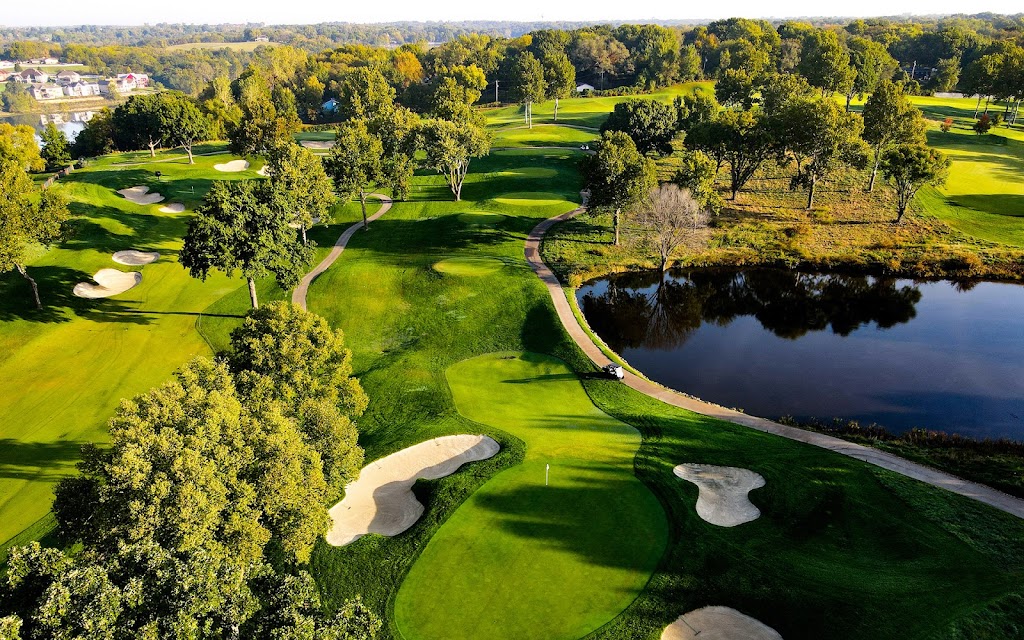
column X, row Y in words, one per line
column 520, row 556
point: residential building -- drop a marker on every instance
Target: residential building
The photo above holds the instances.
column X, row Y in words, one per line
column 81, row 89
column 134, row 80
column 68, row 77
column 5, row 76
column 46, row 91
column 6, row 64
column 34, row 76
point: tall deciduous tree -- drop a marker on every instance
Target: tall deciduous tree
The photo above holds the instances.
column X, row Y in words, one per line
column 527, row 83
column 18, row 145
column 300, row 178
column 560, row 76
column 26, row 218
column 871, row 63
column 825, row 62
column 260, row 127
column 138, row 123
column 397, row 129
column 697, row 174
column 890, row 119
column 450, row 146
column 362, row 92
column 740, row 139
column 244, row 226
column 671, row 217
column 355, row 162
column 650, row 123
column 600, row 54
column 56, row 151
column 617, row 176
column 908, row 167
column 183, row 123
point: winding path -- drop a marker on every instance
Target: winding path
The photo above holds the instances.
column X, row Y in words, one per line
column 299, row 294
column 934, row 477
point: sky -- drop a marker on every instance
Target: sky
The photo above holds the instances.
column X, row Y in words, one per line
column 134, row 12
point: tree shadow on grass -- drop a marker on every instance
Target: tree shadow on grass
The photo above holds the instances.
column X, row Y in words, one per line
column 56, row 285
column 38, row 461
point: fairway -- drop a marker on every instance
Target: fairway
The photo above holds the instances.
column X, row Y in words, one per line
column 525, row 560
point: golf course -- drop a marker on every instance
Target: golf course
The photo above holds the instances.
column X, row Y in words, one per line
column 578, row 526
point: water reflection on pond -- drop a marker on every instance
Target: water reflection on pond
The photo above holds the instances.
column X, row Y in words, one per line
column 934, row 354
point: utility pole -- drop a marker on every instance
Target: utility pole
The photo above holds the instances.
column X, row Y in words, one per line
column 496, row 83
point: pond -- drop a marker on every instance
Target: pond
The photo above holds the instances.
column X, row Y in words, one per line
column 939, row 355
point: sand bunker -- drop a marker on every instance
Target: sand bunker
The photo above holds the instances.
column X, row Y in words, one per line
column 381, row 500
column 262, row 171
column 109, row 282
column 718, row 623
column 141, row 195
column 174, row 207
column 723, row 492
column 317, row 144
column 233, row 166
column 469, row 266
column 135, row 258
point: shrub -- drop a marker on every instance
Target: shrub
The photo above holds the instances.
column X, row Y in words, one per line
column 983, row 124
column 946, row 125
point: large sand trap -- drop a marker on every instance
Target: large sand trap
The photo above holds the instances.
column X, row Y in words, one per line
column 135, row 258
column 317, row 144
column 141, row 195
column 109, row 282
column 723, row 492
column 262, row 171
column 381, row 500
column 718, row 623
column 233, row 166
column 174, row 207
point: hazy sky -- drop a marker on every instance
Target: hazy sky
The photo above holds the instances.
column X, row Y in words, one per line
column 133, row 12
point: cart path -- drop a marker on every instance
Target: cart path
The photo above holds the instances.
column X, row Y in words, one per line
column 888, row 461
column 299, row 294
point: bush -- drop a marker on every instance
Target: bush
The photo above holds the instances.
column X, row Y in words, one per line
column 946, row 125
column 983, row 124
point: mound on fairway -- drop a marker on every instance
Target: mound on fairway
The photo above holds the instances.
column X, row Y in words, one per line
column 469, row 266
column 317, row 144
column 109, row 282
column 718, row 623
column 381, row 499
column 523, row 558
column 135, row 258
column 723, row 492
column 174, row 207
column 141, row 195
column 232, row 167
column 530, row 198
column 480, row 218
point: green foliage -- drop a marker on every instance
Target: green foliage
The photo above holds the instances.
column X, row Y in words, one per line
column 450, row 146
column 908, row 167
column 617, row 176
column 740, row 139
column 244, row 226
column 56, row 151
column 527, row 79
column 872, row 64
column 825, row 62
column 890, row 119
column 18, row 145
column 260, row 126
column 182, row 122
column 97, row 138
column 16, row 98
column 736, row 88
column 650, row 123
column 355, row 162
column 362, row 92
column 138, row 123
column 694, row 108
column 299, row 177
column 697, row 173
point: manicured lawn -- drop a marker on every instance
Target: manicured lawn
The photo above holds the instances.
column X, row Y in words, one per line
column 519, row 555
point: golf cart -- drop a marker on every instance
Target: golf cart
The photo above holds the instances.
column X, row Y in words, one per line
column 613, row 371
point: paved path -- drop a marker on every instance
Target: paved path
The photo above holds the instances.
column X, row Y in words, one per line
column 299, row 294
column 981, row 493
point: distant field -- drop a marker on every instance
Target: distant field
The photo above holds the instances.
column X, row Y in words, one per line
column 238, row 46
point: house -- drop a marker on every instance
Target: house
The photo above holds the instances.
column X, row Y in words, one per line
column 81, row 89
column 331, row 106
column 34, row 76
column 261, row 39
column 51, row 61
column 5, row 76
column 133, row 80
column 6, row 64
column 46, row 91
column 68, row 77
column 580, row 88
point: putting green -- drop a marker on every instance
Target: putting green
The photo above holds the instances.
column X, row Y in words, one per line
column 530, row 198
column 480, row 218
column 472, row 266
column 523, row 560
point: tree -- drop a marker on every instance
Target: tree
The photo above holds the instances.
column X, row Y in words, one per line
column 693, row 109
column 671, row 217
column 16, row 98
column 183, row 123
column 362, row 92
column 740, row 139
column 18, row 144
column 355, row 162
column 825, row 62
column 818, row 136
column 736, row 88
column 599, row 53
column 908, row 167
column 397, row 129
column 982, row 125
column 55, row 152
column 454, row 91
column 139, row 123
column 871, row 63
column 260, row 127
column 560, row 76
column 527, row 83
column 697, row 174
column 219, row 105
column 244, row 226
column 651, row 124
column 300, row 178
column 617, row 176
column 27, row 218
column 97, row 138
column 450, row 147
column 890, row 119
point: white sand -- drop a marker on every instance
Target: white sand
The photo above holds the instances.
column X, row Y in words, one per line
column 317, row 144
column 262, row 171
column 135, row 258
column 718, row 623
column 141, row 195
column 233, row 166
column 381, row 500
column 174, row 207
column 109, row 282
column 723, row 492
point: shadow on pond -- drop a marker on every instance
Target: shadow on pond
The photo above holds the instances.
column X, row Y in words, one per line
column 662, row 311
